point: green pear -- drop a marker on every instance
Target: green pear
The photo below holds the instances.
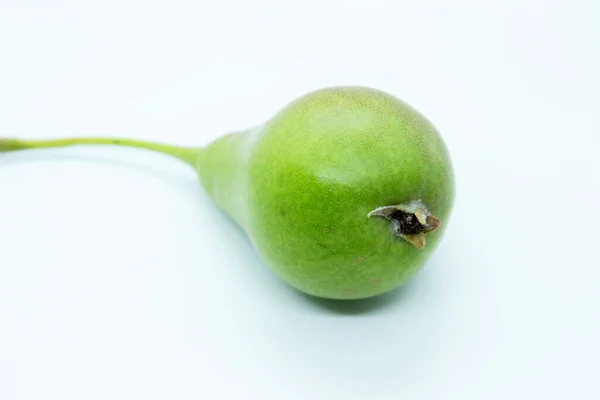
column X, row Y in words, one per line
column 345, row 193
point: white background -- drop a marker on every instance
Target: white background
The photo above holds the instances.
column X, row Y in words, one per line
column 120, row 280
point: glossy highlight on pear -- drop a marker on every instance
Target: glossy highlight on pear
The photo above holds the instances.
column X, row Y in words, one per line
column 344, row 193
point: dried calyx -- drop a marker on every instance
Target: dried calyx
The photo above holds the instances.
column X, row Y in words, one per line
column 411, row 221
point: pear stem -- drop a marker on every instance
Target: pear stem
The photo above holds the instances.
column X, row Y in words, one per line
column 185, row 154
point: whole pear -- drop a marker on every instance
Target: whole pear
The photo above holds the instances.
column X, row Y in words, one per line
column 344, row 193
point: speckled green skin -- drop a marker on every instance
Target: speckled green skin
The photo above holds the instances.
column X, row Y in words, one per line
column 302, row 184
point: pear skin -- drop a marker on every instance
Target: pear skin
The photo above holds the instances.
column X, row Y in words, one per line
column 316, row 189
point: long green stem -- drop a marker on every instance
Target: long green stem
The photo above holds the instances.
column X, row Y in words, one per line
column 185, row 154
